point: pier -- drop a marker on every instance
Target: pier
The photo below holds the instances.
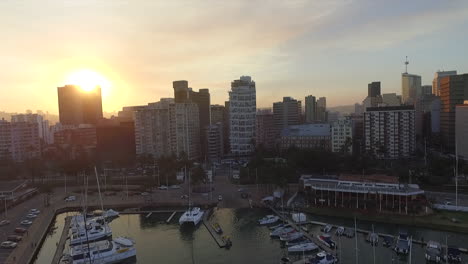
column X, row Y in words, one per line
column 306, row 234
column 206, row 223
column 61, row 243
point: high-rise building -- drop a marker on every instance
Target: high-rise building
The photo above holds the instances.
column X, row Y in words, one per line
column 410, row 88
column 358, row 109
column 181, row 91
column 265, row 129
column 373, row 89
column 127, row 113
column 371, row 102
column 310, row 109
column 242, row 114
column 215, row 143
column 217, row 114
column 185, row 129
column 226, row 128
column 286, row 113
column 391, row 99
column 423, row 115
column 436, row 82
column 79, row 140
column 390, row 131
column 321, row 115
column 426, row 90
column 19, row 141
column 342, row 136
column 461, row 129
column 453, row 91
column 79, row 107
column 42, row 125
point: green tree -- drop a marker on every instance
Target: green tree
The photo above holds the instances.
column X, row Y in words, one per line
column 198, row 175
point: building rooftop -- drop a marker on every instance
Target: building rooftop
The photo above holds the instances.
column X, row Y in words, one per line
column 391, row 108
column 308, row 130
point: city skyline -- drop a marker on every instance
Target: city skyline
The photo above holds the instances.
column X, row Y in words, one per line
column 334, row 50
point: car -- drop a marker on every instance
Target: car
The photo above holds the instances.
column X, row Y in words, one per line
column 4, row 222
column 145, row 194
column 34, row 211
column 70, row 198
column 240, row 189
column 448, row 203
column 14, row 238
column 184, row 196
column 244, row 195
column 31, row 216
column 20, row 230
column 26, row 222
column 220, row 198
column 174, row 187
column 162, row 187
column 8, row 244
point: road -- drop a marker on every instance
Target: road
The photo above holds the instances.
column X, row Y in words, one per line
column 441, row 198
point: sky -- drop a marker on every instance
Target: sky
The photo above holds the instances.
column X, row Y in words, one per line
column 331, row 48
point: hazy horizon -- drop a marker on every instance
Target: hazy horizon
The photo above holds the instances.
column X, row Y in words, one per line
column 290, row 48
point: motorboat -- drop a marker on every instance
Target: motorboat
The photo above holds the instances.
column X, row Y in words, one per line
column 326, row 228
column 303, row 247
column 95, row 233
column 280, row 231
column 192, row 216
column 373, row 239
column 326, row 239
column 269, row 219
column 217, row 228
column 387, row 241
column 340, row 231
column 227, row 241
column 433, row 252
column 103, row 252
column 110, row 214
column 453, row 255
column 301, row 240
column 278, row 226
column 349, row 232
column 403, row 244
column 322, row 258
column 291, row 236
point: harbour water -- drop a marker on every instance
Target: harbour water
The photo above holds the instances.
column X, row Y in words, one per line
column 158, row 242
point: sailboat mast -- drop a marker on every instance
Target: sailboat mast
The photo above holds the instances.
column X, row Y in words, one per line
column 355, row 240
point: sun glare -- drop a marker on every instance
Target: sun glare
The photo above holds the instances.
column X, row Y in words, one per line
column 88, row 80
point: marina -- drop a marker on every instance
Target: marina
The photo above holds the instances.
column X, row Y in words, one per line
column 155, row 238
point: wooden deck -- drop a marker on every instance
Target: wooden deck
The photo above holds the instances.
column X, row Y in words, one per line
column 61, row 244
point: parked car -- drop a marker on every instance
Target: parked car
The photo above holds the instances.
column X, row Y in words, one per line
column 34, row 211
column 184, row 196
column 31, row 216
column 8, row 244
column 162, row 187
column 4, row 222
column 220, row 198
column 14, row 238
column 26, row 222
column 145, row 194
column 20, row 230
column 174, row 187
column 70, row 198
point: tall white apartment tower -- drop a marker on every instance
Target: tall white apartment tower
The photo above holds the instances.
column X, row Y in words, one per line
column 242, row 115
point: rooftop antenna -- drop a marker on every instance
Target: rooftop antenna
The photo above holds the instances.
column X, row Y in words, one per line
column 406, row 64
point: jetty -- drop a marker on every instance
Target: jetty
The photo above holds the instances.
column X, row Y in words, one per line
column 206, row 223
column 63, row 238
column 170, row 217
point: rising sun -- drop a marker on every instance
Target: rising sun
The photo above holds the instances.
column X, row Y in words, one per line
column 88, row 80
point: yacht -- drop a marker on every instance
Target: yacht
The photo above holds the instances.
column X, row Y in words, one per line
column 387, row 241
column 303, row 247
column 453, row 255
column 279, row 231
column 340, row 231
column 326, row 239
column 322, row 258
column 269, row 219
column 291, row 236
column 373, row 239
column 433, row 252
column 191, row 216
column 96, row 232
column 103, row 252
column 326, row 228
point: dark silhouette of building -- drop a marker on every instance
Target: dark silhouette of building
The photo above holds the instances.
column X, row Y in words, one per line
column 453, row 91
column 181, row 91
column 108, row 133
column 286, row 113
column 373, row 89
column 79, row 107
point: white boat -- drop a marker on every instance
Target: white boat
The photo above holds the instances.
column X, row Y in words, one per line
column 95, row 233
column 279, row 231
column 191, row 216
column 326, row 228
column 340, row 231
column 269, row 219
column 103, row 252
column 403, row 244
column 373, row 239
column 433, row 252
column 304, row 247
column 322, row 258
column 326, row 239
column 110, row 213
column 291, row 236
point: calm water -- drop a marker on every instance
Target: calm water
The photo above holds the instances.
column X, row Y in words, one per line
column 158, row 242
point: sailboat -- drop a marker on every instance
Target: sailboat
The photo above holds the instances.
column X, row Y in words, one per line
column 193, row 215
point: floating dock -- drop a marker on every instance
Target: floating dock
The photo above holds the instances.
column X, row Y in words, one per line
column 61, row 243
column 206, row 223
column 170, row 217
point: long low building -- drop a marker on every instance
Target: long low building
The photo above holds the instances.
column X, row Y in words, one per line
column 308, row 136
column 363, row 192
